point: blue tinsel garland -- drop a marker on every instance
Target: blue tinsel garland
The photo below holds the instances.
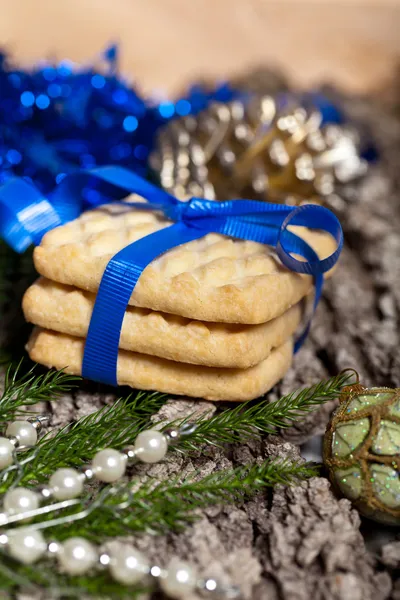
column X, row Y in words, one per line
column 55, row 119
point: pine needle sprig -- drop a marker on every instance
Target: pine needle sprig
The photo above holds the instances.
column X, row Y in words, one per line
column 118, row 425
column 158, row 507
column 242, row 422
column 27, row 389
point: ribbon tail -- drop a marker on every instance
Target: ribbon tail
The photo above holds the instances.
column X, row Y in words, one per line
column 302, row 335
column 91, row 188
column 116, row 287
column 25, row 215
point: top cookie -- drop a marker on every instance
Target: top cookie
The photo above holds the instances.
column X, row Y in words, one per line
column 212, row 279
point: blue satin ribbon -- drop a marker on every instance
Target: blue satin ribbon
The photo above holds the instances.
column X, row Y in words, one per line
column 25, row 216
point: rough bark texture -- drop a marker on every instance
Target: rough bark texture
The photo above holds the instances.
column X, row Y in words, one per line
column 302, row 542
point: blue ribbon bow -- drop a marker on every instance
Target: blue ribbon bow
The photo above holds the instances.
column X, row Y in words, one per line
column 25, row 216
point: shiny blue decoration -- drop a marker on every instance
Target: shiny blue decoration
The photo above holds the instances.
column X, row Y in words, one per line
column 26, row 215
column 56, row 119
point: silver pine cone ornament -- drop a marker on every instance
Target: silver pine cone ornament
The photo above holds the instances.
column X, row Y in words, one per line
column 362, row 451
column 262, row 147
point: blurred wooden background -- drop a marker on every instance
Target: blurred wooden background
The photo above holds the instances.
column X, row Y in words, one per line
column 165, row 43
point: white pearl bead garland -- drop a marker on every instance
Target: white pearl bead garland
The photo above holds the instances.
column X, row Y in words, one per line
column 26, row 545
column 77, row 555
column 179, row 580
column 66, row 484
column 24, row 432
column 128, row 565
column 20, row 434
column 151, row 446
column 20, row 500
column 6, row 452
column 109, row 465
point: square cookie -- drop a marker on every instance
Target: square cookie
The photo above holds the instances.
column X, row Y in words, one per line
column 215, row 278
column 68, row 310
column 150, row 373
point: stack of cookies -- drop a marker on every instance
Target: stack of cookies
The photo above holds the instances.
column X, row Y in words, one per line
column 212, row 319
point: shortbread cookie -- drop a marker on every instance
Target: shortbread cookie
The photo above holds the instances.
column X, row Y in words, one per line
column 68, row 310
column 212, row 279
column 149, row 373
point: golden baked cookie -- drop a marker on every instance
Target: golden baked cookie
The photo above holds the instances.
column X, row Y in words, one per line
column 215, row 278
column 150, row 373
column 68, row 310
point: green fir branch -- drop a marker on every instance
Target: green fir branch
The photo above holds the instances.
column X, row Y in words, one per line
column 240, row 424
column 150, row 505
column 172, row 504
column 160, row 506
column 22, row 390
column 117, row 425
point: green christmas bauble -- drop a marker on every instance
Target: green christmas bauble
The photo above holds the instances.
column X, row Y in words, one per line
column 362, row 451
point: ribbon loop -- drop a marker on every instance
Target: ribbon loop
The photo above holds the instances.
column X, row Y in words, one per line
column 316, row 217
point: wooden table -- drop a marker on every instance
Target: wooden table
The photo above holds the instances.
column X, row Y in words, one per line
column 165, row 43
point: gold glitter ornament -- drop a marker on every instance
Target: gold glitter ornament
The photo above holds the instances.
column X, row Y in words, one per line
column 256, row 149
column 362, row 451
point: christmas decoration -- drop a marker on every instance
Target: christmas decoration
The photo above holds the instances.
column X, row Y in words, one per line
column 362, row 450
column 58, row 118
column 263, row 147
column 126, row 565
column 108, row 466
column 59, row 463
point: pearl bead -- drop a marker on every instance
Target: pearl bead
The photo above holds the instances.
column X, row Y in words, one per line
column 25, row 545
column 20, row 500
column 24, row 431
column 66, row 484
column 151, row 446
column 77, row 556
column 109, row 465
column 6, row 452
column 180, row 579
column 128, row 565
